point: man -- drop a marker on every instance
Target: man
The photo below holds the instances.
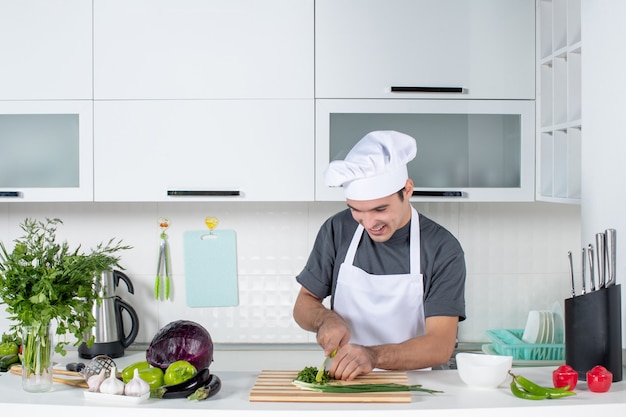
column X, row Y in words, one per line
column 397, row 291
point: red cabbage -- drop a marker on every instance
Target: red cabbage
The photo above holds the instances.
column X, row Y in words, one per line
column 181, row 340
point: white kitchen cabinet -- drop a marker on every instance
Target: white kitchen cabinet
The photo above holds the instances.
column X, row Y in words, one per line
column 46, row 150
column 467, row 150
column 45, row 50
column 203, row 49
column 204, row 150
column 369, row 48
column 559, row 116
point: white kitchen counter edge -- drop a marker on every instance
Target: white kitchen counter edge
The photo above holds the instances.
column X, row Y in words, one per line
column 233, row 399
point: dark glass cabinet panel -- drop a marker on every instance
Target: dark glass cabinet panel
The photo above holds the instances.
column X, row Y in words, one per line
column 453, row 150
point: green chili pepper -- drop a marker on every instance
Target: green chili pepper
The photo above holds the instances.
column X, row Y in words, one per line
column 522, row 387
column 515, row 389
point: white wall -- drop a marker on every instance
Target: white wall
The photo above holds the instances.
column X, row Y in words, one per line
column 515, row 254
column 603, row 203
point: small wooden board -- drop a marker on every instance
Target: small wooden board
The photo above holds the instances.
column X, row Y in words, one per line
column 79, row 381
column 276, row 386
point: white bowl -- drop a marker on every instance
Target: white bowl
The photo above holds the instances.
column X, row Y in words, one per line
column 483, row 371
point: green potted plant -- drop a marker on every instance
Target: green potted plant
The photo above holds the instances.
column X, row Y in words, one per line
column 42, row 283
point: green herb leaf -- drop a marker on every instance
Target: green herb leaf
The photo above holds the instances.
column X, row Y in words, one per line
column 42, row 281
column 309, row 375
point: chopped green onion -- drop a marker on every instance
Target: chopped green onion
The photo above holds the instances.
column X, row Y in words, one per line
column 355, row 388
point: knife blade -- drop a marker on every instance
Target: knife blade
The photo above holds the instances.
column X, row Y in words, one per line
column 600, row 258
column 320, row 372
column 611, row 255
column 592, row 272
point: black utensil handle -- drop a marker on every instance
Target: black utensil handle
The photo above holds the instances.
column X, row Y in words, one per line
column 434, row 193
column 418, row 89
column 10, row 194
column 203, row 193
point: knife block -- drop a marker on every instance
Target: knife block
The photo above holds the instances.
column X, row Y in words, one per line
column 593, row 331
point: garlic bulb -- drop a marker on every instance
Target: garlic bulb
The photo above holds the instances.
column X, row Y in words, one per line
column 112, row 385
column 95, row 381
column 136, row 387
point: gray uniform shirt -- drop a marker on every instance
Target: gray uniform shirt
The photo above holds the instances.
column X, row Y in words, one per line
column 442, row 261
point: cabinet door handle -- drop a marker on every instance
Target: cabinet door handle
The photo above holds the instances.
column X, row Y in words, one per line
column 10, row 194
column 435, row 193
column 400, row 89
column 203, row 193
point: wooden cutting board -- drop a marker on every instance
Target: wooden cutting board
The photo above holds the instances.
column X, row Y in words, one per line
column 276, row 386
column 77, row 381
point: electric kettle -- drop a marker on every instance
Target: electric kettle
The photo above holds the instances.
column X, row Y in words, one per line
column 109, row 333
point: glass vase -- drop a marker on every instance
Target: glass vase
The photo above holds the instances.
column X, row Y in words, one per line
column 37, row 358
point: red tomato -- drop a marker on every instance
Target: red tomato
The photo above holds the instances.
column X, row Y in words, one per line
column 563, row 376
column 599, row 379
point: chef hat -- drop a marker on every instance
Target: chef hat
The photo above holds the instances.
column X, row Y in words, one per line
column 375, row 167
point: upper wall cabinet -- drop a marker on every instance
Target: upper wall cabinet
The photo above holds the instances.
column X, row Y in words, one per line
column 475, row 49
column 204, row 150
column 199, row 49
column 467, row 150
column 45, row 50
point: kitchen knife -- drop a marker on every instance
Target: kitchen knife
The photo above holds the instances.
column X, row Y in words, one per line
column 320, row 372
column 584, row 267
column 611, row 255
column 600, row 258
column 592, row 272
column 571, row 272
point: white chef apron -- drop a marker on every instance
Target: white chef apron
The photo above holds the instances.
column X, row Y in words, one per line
column 381, row 309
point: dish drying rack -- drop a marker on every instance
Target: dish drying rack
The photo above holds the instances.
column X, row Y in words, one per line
column 508, row 342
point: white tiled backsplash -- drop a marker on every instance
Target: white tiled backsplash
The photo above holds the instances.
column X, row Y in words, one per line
column 515, row 255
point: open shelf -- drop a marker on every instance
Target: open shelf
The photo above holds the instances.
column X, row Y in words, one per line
column 559, row 131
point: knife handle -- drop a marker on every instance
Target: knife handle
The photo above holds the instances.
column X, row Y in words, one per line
column 571, row 272
column 592, row 271
column 611, row 255
column 601, row 258
column 584, row 267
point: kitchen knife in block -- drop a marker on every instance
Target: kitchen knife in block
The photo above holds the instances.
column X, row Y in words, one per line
column 211, row 268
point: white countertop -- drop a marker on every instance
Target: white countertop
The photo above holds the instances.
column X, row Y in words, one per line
column 64, row 400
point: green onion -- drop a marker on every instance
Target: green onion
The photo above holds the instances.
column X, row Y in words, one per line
column 354, row 388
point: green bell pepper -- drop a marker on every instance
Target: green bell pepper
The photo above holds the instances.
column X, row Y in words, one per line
column 153, row 376
column 178, row 372
column 8, row 348
column 129, row 371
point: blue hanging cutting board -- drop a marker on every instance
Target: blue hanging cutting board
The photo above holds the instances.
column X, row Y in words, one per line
column 211, row 268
